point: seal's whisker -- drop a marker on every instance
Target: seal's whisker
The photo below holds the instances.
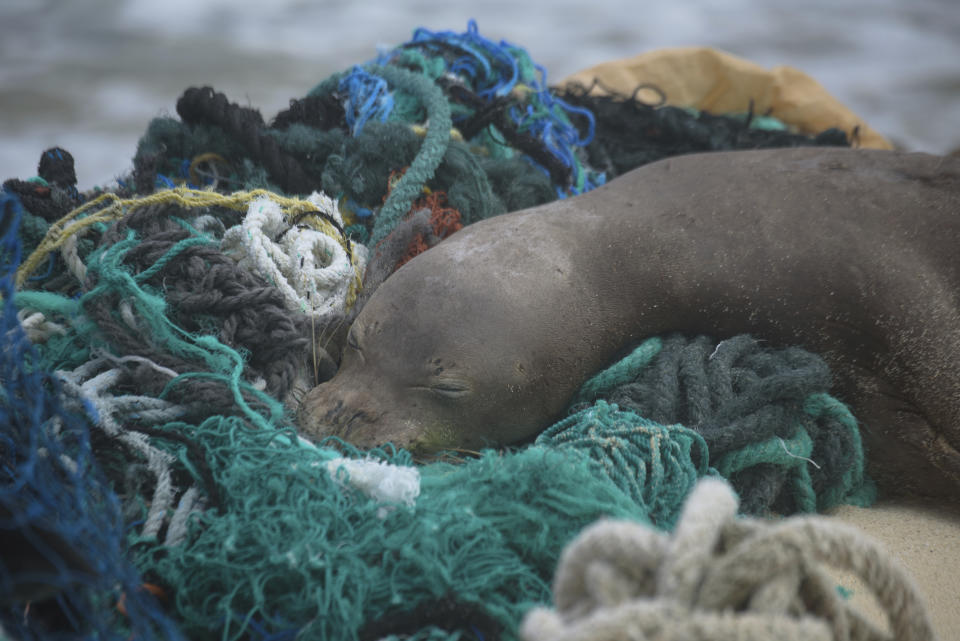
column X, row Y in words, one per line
column 313, row 344
column 339, row 325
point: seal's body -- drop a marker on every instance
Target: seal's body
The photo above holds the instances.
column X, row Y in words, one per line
column 851, row 254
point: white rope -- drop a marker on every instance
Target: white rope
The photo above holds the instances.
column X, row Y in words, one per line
column 309, row 267
column 92, row 382
column 133, row 358
column 721, row 578
column 190, row 503
column 37, row 327
column 383, row 482
column 71, row 257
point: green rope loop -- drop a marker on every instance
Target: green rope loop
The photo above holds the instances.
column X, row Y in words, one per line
column 431, row 153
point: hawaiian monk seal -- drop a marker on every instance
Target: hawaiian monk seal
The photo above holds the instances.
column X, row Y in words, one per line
column 852, row 254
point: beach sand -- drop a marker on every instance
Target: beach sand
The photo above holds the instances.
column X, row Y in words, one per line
column 925, row 538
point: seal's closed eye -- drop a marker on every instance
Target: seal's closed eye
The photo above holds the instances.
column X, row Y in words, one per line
column 448, row 388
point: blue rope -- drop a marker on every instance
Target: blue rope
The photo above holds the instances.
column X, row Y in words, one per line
column 51, row 261
column 495, row 70
column 368, row 96
column 53, row 496
column 480, row 49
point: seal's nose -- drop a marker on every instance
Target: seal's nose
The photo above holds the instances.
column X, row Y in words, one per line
column 333, row 413
column 329, row 409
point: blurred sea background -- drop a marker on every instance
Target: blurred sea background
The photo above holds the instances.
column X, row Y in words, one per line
column 88, row 75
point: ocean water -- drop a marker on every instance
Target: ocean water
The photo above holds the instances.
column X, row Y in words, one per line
column 88, row 75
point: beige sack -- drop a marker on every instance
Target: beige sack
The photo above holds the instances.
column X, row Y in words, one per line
column 721, row 83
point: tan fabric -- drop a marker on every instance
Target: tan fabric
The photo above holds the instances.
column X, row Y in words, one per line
column 722, row 83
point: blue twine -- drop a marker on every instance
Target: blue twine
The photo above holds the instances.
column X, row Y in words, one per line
column 56, row 497
column 478, row 48
column 358, row 210
column 11, row 211
column 162, row 182
column 368, row 96
column 51, row 261
column 559, row 135
column 586, row 113
column 494, row 70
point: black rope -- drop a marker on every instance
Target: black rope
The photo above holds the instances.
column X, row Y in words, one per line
column 205, row 106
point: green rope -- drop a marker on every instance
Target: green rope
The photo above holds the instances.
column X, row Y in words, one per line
column 621, row 372
column 423, row 167
column 764, row 415
column 171, row 254
column 855, row 487
column 46, row 302
column 656, row 465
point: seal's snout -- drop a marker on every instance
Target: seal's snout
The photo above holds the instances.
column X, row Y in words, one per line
column 329, row 410
column 334, row 413
column 340, row 419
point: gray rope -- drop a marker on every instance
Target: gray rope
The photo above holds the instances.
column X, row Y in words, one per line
column 92, row 382
column 720, row 578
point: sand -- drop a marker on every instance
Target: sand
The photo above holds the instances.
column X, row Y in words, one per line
column 925, row 538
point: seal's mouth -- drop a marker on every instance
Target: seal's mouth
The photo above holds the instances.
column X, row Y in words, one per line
column 351, row 417
column 354, row 415
column 322, row 416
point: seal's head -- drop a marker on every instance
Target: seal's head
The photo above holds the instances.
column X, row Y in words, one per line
column 427, row 370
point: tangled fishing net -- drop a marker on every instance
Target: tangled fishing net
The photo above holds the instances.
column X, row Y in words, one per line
column 158, row 333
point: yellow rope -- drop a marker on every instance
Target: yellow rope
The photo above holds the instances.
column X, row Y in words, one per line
column 89, row 214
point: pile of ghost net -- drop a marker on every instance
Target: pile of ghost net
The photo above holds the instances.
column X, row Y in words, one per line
column 158, row 334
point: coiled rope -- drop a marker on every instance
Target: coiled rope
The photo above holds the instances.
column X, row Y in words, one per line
column 720, row 578
column 313, row 269
column 409, row 187
column 765, row 414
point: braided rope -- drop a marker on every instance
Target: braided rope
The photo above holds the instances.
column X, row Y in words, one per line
column 311, row 268
column 719, row 578
column 38, row 327
column 191, row 502
column 765, row 415
column 70, row 251
column 89, row 384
